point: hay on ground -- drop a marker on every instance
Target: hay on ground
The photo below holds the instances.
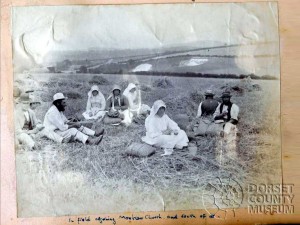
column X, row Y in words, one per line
column 163, row 83
column 98, row 80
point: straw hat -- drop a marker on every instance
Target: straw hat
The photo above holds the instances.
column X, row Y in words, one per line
column 24, row 98
column 59, row 96
column 35, row 99
column 226, row 94
column 209, row 93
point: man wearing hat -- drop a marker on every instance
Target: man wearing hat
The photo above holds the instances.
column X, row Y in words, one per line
column 227, row 111
column 204, row 124
column 56, row 121
column 26, row 123
column 34, row 102
column 227, row 115
column 208, row 106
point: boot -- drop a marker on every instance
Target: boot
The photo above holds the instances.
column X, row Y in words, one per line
column 94, row 140
column 99, row 131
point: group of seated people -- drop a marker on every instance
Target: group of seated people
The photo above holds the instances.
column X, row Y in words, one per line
column 118, row 108
column 161, row 130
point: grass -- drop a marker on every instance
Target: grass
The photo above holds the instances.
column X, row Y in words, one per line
column 74, row 178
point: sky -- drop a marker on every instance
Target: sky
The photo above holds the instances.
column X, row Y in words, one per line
column 37, row 30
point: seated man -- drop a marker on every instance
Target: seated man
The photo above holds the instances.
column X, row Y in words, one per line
column 208, row 106
column 34, row 103
column 117, row 105
column 26, row 123
column 204, row 124
column 227, row 116
column 56, row 121
column 226, row 111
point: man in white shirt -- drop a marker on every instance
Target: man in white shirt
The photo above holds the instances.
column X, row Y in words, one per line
column 64, row 129
column 227, row 111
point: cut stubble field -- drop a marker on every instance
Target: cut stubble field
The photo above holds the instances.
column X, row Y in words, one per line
column 71, row 179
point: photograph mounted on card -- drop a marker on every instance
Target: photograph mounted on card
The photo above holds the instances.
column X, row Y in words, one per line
column 155, row 107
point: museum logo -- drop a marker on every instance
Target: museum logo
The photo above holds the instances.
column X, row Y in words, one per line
column 270, row 199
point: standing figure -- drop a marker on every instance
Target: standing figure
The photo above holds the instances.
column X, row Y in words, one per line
column 163, row 132
column 117, row 105
column 66, row 131
column 136, row 108
column 95, row 107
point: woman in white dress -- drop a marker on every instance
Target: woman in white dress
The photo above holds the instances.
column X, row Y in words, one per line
column 95, row 107
column 133, row 95
column 163, row 132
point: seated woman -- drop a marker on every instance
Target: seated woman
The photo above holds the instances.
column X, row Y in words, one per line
column 117, row 105
column 163, row 132
column 95, row 104
column 136, row 108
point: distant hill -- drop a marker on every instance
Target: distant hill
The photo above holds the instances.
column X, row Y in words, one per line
column 106, row 54
column 192, row 59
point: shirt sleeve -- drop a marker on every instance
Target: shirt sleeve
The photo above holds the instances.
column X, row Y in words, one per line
column 58, row 121
column 217, row 112
column 234, row 112
column 199, row 113
column 171, row 124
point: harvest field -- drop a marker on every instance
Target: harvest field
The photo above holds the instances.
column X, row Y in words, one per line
column 70, row 179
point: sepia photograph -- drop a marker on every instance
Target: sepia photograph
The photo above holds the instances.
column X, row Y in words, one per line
column 136, row 108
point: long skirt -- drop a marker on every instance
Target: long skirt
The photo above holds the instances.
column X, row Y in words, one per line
column 143, row 110
column 168, row 141
column 95, row 116
column 124, row 117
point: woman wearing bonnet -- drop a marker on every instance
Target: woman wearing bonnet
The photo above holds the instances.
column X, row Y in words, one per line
column 95, row 107
column 117, row 105
column 163, row 132
column 136, row 108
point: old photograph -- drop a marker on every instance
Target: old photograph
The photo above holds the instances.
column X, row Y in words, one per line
column 134, row 108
